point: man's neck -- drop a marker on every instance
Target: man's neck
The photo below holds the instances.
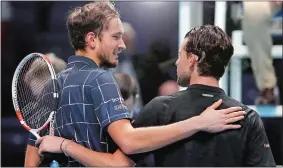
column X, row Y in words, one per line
column 86, row 54
column 204, row 80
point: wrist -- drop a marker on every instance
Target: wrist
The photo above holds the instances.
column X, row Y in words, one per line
column 65, row 145
column 61, row 146
column 199, row 123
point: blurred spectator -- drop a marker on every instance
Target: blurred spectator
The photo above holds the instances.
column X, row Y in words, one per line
column 128, row 89
column 58, row 64
column 6, row 12
column 168, row 87
column 125, row 60
column 256, row 26
column 150, row 71
column 43, row 13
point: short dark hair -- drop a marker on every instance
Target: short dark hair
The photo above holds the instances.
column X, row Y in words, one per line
column 92, row 17
column 213, row 47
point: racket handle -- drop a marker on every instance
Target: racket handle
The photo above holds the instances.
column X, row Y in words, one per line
column 58, row 157
column 48, row 157
column 54, row 163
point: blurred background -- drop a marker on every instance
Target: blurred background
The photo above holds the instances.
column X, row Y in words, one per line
column 153, row 32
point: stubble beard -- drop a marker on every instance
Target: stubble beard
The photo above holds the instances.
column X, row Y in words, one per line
column 183, row 82
column 104, row 62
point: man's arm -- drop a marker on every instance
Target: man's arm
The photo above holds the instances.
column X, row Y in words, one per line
column 32, row 158
column 85, row 156
column 258, row 152
column 210, row 120
column 93, row 158
column 137, row 140
column 112, row 115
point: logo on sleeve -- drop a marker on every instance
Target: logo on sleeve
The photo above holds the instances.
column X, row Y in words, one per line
column 120, row 107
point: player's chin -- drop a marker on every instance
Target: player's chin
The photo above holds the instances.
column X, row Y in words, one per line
column 114, row 63
column 183, row 82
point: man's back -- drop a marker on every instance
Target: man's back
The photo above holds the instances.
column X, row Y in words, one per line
column 247, row 146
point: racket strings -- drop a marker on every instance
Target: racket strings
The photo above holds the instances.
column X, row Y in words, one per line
column 35, row 88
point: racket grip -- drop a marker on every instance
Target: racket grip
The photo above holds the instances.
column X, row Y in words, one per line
column 59, row 157
column 54, row 163
column 48, row 156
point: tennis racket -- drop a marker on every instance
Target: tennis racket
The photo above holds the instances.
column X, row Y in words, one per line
column 35, row 94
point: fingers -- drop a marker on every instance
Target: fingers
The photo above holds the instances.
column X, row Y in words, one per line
column 216, row 104
column 236, row 114
column 230, row 110
column 38, row 141
column 234, row 119
column 232, row 127
column 40, row 150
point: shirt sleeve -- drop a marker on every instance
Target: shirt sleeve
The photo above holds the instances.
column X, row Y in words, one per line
column 31, row 140
column 109, row 103
column 258, row 151
column 149, row 116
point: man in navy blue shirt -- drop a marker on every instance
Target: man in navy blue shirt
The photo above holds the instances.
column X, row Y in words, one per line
column 91, row 107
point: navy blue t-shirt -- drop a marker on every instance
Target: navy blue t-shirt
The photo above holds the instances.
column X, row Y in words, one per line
column 89, row 101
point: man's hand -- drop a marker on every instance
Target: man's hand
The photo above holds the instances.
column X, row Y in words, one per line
column 50, row 144
column 83, row 155
column 219, row 120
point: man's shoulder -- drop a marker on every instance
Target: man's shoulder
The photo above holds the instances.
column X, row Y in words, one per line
column 153, row 112
column 167, row 99
column 92, row 71
column 85, row 77
column 164, row 102
column 251, row 115
column 230, row 102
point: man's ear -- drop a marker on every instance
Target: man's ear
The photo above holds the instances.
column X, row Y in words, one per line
column 91, row 40
column 193, row 59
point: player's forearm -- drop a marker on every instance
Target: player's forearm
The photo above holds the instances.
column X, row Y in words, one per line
column 32, row 159
column 92, row 158
column 151, row 138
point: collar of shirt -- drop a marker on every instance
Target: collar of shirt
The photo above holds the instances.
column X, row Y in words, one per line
column 206, row 87
column 81, row 61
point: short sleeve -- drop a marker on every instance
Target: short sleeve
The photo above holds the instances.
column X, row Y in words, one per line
column 258, row 152
column 31, row 140
column 109, row 103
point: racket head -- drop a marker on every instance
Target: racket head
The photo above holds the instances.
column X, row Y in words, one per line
column 35, row 92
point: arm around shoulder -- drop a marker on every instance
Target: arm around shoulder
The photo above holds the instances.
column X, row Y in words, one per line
column 148, row 136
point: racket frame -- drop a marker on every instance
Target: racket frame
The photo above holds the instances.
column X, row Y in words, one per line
column 50, row 120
